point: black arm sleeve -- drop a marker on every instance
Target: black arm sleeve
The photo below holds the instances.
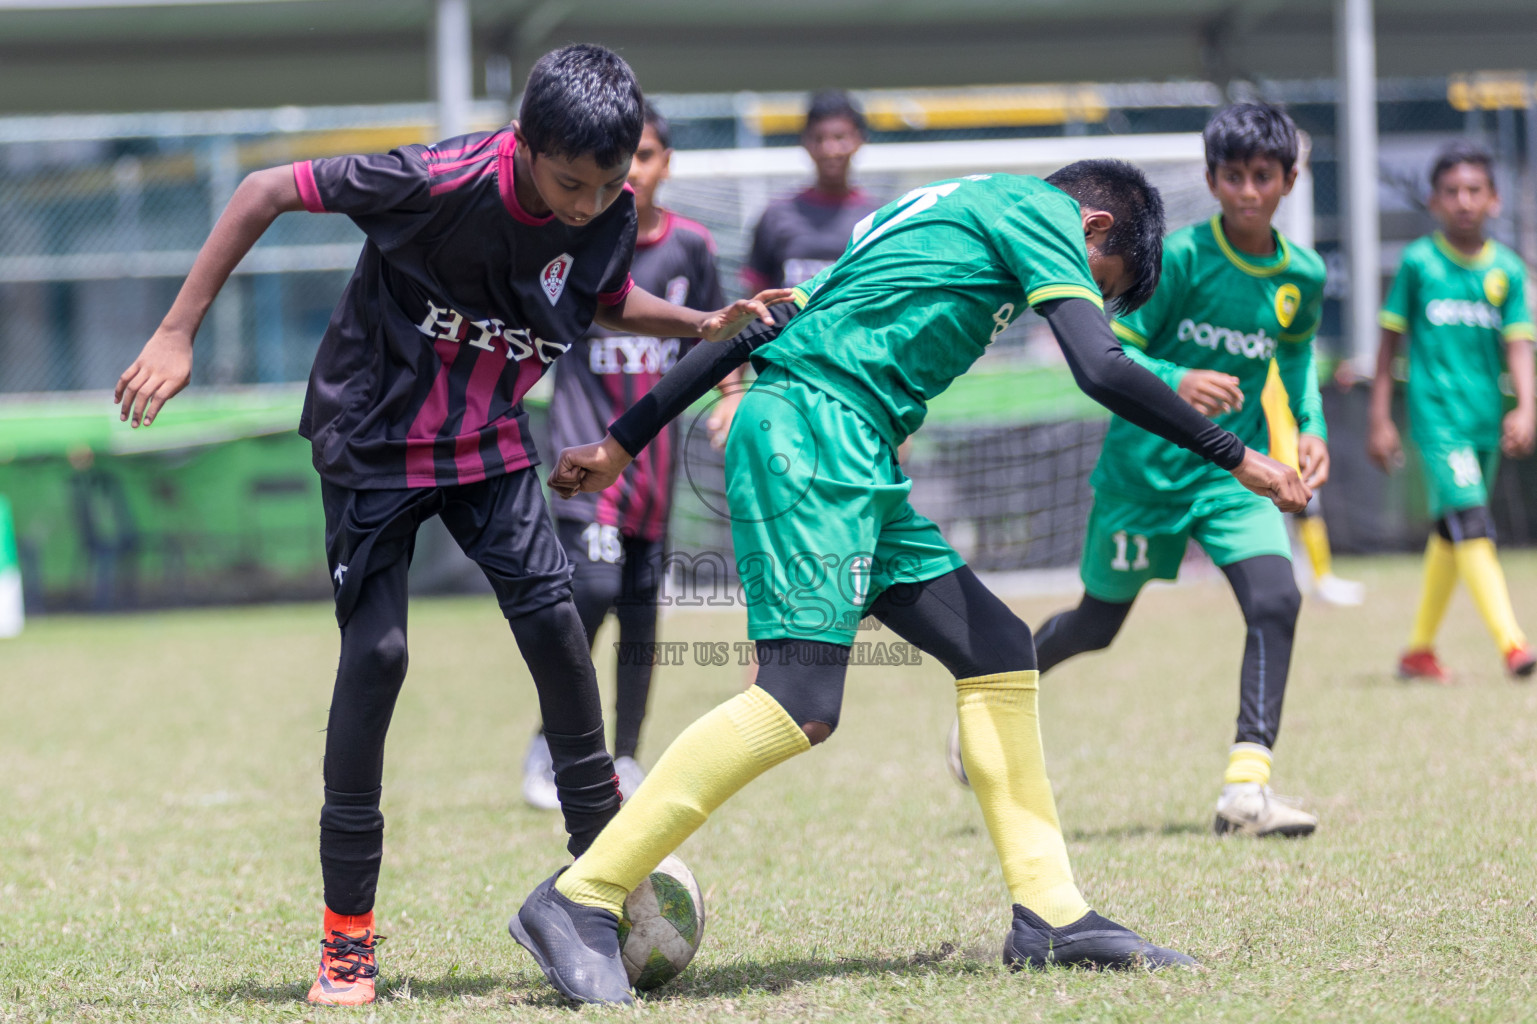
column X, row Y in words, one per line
column 1104, row 373
column 706, row 365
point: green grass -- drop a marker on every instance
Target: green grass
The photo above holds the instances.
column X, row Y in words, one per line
column 159, row 789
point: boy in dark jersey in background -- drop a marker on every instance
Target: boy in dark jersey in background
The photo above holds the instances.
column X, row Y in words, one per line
column 1459, row 299
column 799, row 235
column 615, row 540
column 486, row 257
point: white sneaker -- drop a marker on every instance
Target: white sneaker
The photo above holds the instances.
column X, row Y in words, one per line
column 953, row 755
column 1330, row 589
column 631, row 775
column 1251, row 809
column 539, row 776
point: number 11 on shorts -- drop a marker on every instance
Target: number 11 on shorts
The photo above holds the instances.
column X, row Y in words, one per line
column 1119, row 562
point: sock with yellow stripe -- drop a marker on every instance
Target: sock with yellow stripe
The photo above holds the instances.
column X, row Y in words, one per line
column 1435, row 593
column 1247, row 762
column 1315, row 541
column 1001, row 749
column 712, row 759
column 1479, row 568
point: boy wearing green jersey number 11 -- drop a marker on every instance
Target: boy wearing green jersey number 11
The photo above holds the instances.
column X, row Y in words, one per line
column 824, row 534
column 1460, row 300
column 1234, row 294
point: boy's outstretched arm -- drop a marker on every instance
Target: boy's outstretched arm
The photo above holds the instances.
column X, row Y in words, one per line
column 165, row 365
column 1104, row 373
column 1382, row 443
column 640, row 312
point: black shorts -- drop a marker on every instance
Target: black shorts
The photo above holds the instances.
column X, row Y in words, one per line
column 502, row 524
column 631, row 567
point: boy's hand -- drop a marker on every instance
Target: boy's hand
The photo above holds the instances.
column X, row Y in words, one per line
column 588, row 467
column 728, row 322
column 1210, row 392
column 1313, row 459
column 1383, row 446
column 1519, row 432
column 161, row 371
column 1274, row 480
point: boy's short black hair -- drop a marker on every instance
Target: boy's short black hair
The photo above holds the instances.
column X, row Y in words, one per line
column 582, row 100
column 1462, row 151
column 1123, row 191
column 834, row 103
column 658, row 123
column 1248, row 130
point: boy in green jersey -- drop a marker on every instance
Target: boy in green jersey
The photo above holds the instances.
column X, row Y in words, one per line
column 1234, row 294
column 824, row 534
column 1460, row 299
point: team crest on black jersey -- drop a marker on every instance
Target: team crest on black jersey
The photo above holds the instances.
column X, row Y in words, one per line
column 553, row 277
column 677, row 290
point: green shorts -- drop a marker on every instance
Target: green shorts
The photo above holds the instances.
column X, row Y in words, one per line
column 819, row 514
column 1457, row 475
column 1130, row 542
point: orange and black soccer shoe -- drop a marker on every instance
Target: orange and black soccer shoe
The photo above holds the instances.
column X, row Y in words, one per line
column 348, row 963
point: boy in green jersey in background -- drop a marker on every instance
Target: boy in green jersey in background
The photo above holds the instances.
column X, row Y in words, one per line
column 1234, row 294
column 1460, row 299
column 824, row 533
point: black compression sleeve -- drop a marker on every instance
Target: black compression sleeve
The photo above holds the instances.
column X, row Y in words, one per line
column 696, row 373
column 1104, row 373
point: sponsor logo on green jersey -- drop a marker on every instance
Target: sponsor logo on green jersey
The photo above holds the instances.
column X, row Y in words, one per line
column 1460, row 312
column 1258, row 345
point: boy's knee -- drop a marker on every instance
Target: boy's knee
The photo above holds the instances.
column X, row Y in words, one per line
column 385, row 659
column 1277, row 606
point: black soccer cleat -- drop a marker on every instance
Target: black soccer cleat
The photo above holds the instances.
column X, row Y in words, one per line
column 1090, row 941
column 577, row 947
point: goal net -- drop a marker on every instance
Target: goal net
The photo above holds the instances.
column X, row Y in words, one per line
column 1002, row 463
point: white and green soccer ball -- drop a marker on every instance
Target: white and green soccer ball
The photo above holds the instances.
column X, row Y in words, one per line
column 662, row 926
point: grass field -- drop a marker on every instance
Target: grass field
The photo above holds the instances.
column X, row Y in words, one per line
column 159, row 790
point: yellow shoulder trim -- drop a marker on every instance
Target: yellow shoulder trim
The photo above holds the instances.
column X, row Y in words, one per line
column 1393, row 322
column 1520, row 332
column 1237, row 259
column 1047, row 292
column 1128, row 335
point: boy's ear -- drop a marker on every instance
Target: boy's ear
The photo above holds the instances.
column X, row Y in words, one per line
column 1211, row 181
column 666, row 164
column 1291, row 180
column 1096, row 227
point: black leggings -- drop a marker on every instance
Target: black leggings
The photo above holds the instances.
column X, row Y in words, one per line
column 1267, row 594
column 368, row 681
column 953, row 618
column 631, row 590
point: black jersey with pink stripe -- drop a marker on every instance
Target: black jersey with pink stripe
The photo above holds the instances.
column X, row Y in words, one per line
column 799, row 236
column 460, row 301
column 605, row 373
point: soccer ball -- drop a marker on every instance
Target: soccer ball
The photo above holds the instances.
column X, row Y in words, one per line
column 662, row 926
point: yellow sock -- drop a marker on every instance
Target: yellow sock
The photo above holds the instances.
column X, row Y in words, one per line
column 1001, row 748
column 1435, row 592
column 712, row 759
column 1480, row 570
column 1315, row 540
column 1247, row 762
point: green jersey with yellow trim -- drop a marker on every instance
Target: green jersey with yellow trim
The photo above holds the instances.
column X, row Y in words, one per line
column 1217, row 309
column 1458, row 312
column 926, row 283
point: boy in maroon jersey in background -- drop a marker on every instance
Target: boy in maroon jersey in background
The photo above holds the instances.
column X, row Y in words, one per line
column 616, row 540
column 486, row 257
column 799, row 235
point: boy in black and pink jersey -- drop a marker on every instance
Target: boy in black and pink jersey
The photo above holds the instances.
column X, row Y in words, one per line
column 799, row 235
column 615, row 540
column 486, row 257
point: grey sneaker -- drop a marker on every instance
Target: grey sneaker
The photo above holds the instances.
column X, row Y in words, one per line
column 539, row 776
column 1251, row 809
column 1090, row 941
column 576, row 946
column 631, row 775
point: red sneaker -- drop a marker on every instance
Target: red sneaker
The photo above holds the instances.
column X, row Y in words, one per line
column 1423, row 664
column 1520, row 662
column 348, row 964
